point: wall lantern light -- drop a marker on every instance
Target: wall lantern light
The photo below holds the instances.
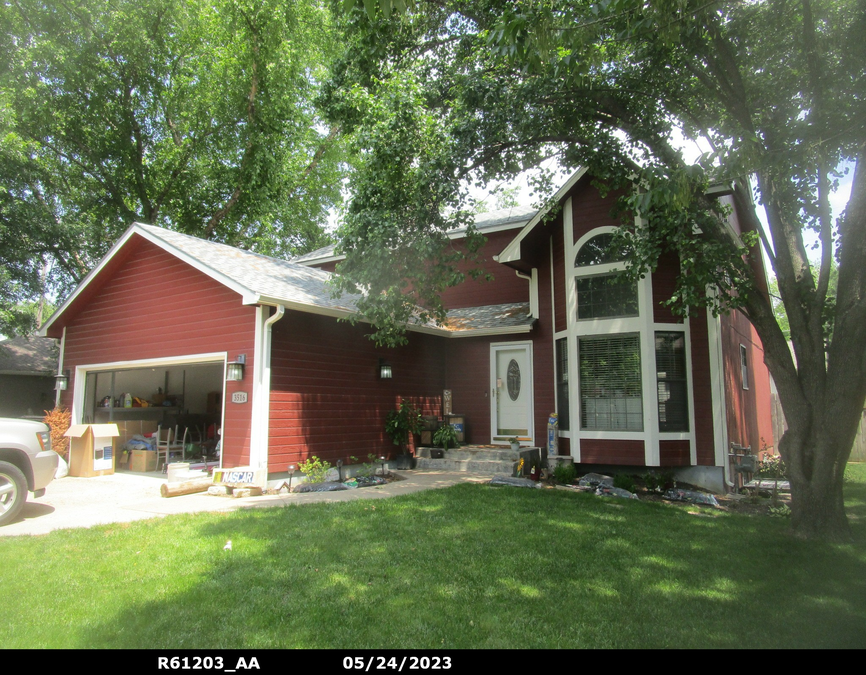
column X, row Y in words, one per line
column 61, row 381
column 235, row 369
column 385, row 372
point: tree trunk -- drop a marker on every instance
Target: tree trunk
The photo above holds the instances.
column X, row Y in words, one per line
column 818, row 510
column 816, row 457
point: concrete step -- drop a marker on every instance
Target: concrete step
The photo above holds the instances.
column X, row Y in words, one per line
column 484, row 461
column 485, row 468
column 481, row 454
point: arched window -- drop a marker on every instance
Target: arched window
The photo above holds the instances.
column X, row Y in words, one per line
column 601, row 293
column 597, row 251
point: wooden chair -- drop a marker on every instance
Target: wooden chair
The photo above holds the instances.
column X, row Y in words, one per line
column 163, row 444
column 174, row 446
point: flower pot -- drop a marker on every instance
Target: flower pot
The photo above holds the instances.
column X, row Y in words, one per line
column 404, row 462
column 515, row 446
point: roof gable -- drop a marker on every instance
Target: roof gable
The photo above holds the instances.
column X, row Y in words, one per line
column 255, row 278
column 512, row 252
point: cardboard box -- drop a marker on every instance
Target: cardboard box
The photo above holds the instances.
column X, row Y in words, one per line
column 92, row 449
column 142, row 461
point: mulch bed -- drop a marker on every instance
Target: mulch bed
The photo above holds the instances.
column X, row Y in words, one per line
column 735, row 503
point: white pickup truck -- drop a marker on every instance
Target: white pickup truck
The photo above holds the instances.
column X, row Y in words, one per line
column 27, row 462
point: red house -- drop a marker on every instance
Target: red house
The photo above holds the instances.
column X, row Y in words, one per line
column 634, row 385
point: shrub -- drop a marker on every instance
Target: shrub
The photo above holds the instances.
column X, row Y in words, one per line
column 58, row 421
column 624, row 482
column 659, row 482
column 315, row 469
column 368, row 468
column 772, row 466
column 445, row 437
column 564, row 474
column 405, row 420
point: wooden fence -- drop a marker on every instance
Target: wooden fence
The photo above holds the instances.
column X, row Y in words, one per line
column 858, row 451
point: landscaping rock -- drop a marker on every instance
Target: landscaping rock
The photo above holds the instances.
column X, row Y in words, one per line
column 514, row 482
column 606, row 491
column 679, row 495
column 251, row 491
column 320, row 487
column 595, row 479
column 219, row 490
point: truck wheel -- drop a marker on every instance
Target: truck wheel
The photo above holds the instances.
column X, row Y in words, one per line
column 13, row 492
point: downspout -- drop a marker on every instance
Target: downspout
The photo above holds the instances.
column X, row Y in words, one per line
column 533, row 291
column 263, row 420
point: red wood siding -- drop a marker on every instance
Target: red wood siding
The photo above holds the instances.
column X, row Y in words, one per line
column 326, row 398
column 705, row 451
column 564, row 446
column 590, row 210
column 468, row 378
column 674, row 453
column 748, row 410
column 329, row 266
column 603, row 451
column 664, row 281
column 156, row 306
column 505, row 287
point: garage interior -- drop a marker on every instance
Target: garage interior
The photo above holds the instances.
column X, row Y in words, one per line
column 177, row 397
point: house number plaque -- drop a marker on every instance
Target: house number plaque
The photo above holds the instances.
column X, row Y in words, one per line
column 239, row 397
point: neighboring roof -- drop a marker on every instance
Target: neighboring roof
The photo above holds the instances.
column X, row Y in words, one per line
column 28, row 356
column 260, row 279
column 501, row 219
column 324, row 254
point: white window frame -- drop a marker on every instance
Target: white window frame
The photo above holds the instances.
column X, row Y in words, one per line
column 645, row 325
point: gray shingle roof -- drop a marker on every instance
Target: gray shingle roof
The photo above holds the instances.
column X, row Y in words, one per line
column 517, row 215
column 260, row 275
column 290, row 282
column 28, row 355
column 509, row 315
column 262, row 279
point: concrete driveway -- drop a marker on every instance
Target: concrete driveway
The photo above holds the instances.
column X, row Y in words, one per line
column 123, row 497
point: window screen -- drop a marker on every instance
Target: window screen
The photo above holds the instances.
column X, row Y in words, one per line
column 610, row 383
column 562, row 384
column 605, row 297
column 673, row 392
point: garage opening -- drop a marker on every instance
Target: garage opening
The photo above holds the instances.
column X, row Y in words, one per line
column 178, row 396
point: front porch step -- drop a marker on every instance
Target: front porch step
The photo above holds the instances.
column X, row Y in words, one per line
column 484, row 461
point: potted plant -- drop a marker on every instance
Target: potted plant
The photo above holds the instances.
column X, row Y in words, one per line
column 515, row 443
column 445, row 437
column 399, row 423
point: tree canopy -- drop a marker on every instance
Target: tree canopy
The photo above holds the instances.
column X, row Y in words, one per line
column 197, row 116
column 445, row 93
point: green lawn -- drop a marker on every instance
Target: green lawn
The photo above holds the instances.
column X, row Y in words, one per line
column 469, row 566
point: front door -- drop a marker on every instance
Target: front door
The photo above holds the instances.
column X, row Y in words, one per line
column 511, row 392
